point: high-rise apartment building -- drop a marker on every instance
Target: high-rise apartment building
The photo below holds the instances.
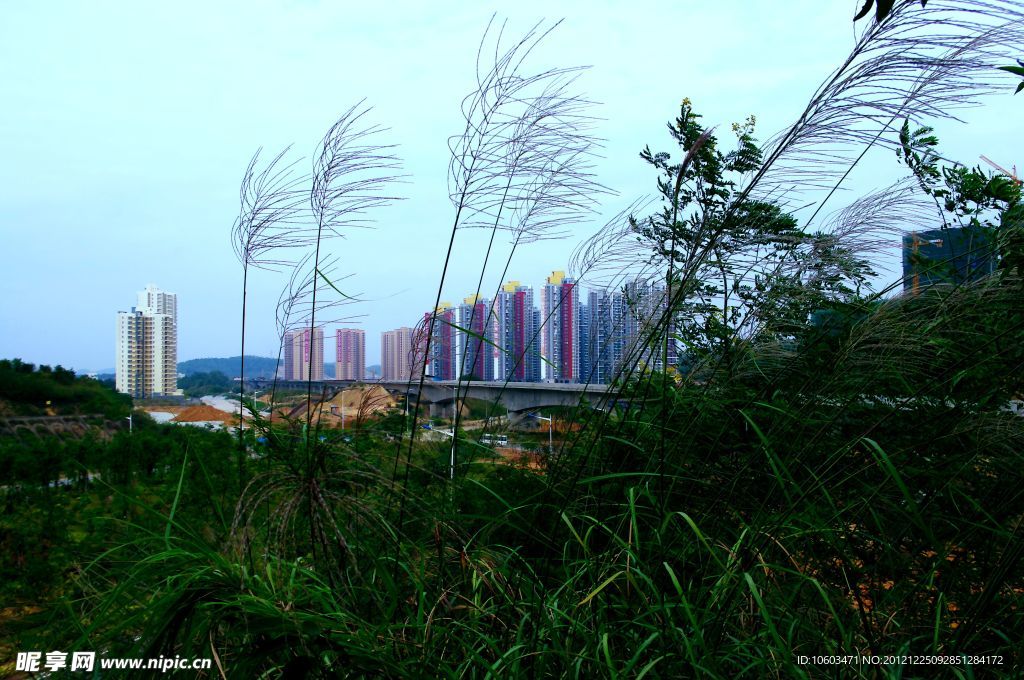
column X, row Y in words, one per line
column 419, row 365
column 649, row 327
column 396, row 354
column 623, row 329
column 350, row 355
column 476, row 348
column 156, row 301
column 442, row 363
column 516, row 321
column 560, row 330
column 955, row 255
column 586, row 349
column 605, row 336
column 146, row 347
column 304, row 354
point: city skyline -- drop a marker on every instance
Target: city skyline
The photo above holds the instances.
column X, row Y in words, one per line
column 544, row 325
column 560, row 340
column 551, row 337
column 157, row 170
column 510, row 338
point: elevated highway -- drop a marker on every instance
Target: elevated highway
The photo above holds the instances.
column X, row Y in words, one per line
column 519, row 398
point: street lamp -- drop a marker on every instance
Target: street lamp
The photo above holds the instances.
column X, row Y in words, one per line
column 455, row 403
column 129, row 419
column 451, row 460
column 455, row 419
column 408, row 391
column 551, row 426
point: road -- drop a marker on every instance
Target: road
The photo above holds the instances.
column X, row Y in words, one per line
column 221, row 403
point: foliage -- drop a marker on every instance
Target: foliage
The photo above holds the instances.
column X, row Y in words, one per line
column 1017, row 70
column 203, row 384
column 34, row 391
column 66, row 502
column 882, row 9
column 983, row 204
column 735, row 266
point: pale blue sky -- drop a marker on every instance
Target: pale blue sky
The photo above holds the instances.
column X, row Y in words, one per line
column 125, row 128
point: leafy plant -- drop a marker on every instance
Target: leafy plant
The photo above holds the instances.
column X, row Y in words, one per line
column 1017, row 70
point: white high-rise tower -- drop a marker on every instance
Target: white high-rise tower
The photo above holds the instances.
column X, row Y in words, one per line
column 147, row 346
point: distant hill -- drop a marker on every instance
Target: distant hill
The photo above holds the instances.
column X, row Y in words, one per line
column 28, row 390
column 373, row 371
column 255, row 367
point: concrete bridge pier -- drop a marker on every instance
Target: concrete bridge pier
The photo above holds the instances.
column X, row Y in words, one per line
column 444, row 408
column 516, row 418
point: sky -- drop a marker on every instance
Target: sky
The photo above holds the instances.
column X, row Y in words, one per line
column 125, row 129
